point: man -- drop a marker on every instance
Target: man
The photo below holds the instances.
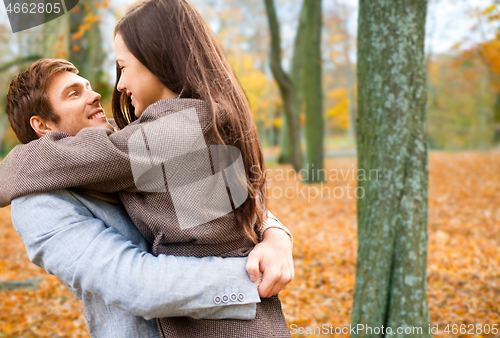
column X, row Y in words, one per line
column 93, row 247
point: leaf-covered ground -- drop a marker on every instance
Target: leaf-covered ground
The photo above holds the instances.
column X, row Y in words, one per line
column 463, row 264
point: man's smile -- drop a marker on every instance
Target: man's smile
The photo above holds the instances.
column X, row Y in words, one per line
column 96, row 114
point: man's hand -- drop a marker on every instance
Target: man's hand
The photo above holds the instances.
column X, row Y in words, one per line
column 272, row 257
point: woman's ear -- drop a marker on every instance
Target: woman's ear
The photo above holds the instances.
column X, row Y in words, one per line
column 40, row 126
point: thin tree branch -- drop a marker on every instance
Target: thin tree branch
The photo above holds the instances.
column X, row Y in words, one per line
column 19, row 61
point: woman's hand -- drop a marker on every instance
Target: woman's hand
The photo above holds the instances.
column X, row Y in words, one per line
column 272, row 257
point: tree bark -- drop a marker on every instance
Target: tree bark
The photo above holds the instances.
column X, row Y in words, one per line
column 496, row 121
column 391, row 278
column 296, row 76
column 313, row 93
column 56, row 37
column 4, row 125
column 89, row 55
column 286, row 87
column 350, row 85
column 285, row 155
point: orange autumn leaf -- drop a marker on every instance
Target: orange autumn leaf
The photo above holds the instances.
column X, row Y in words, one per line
column 90, row 18
column 78, row 35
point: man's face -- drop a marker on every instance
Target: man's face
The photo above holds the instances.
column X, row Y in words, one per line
column 78, row 107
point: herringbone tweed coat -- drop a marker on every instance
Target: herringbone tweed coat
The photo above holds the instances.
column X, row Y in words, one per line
column 127, row 163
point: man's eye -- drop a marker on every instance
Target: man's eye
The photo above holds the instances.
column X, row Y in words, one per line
column 74, row 94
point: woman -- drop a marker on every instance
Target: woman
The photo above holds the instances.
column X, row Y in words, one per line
column 194, row 66
column 182, row 114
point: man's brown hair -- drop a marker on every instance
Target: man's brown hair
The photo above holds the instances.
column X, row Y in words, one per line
column 27, row 96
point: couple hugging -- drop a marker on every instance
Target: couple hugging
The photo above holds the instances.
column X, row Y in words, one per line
column 158, row 223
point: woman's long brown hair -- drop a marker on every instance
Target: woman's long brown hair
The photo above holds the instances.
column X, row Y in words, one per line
column 174, row 42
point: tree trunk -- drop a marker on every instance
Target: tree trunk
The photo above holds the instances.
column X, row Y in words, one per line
column 391, row 279
column 56, row 37
column 297, row 70
column 285, row 143
column 496, row 121
column 484, row 138
column 312, row 90
column 87, row 53
column 352, row 108
column 4, row 125
column 351, row 133
column 285, row 85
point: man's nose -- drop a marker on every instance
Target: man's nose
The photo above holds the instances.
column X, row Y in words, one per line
column 94, row 97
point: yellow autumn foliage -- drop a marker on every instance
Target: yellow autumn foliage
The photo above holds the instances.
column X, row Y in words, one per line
column 338, row 113
column 261, row 91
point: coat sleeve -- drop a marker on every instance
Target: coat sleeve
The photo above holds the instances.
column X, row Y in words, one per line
column 94, row 159
column 273, row 222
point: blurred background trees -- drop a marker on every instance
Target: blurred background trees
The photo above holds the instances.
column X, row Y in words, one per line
column 75, row 36
column 463, row 81
column 289, row 86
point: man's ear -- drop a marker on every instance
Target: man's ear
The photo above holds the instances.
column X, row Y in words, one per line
column 40, row 125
